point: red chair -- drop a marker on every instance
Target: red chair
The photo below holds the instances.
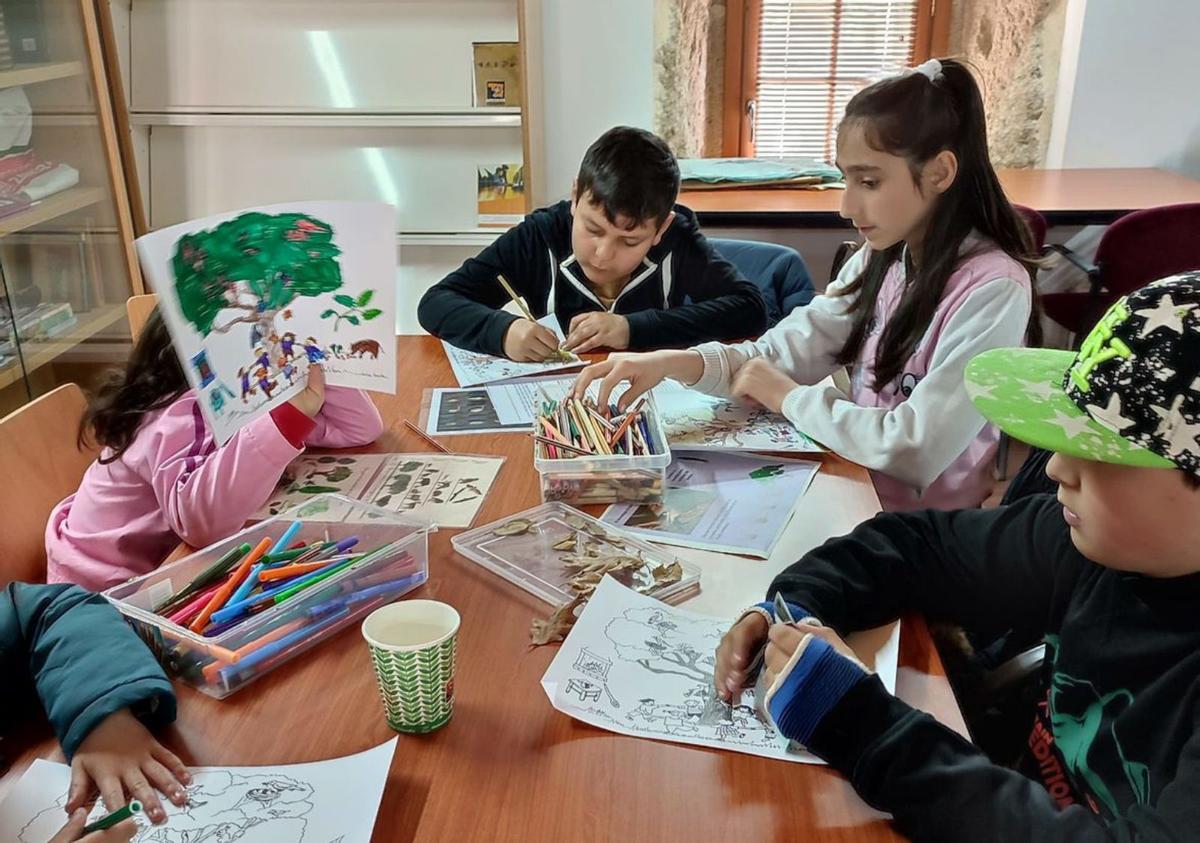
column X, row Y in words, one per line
column 1037, row 226
column 1136, row 249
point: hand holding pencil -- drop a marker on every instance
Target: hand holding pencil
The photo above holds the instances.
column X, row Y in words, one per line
column 526, row 341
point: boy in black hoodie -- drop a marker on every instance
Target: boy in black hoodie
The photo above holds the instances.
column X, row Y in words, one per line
column 620, row 265
column 1109, row 574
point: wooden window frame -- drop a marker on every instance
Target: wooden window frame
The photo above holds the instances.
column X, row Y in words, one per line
column 742, row 20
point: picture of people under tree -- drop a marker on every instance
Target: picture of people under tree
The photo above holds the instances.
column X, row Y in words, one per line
column 260, row 295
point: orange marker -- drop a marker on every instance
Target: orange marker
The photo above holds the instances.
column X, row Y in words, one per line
column 231, row 584
column 272, row 574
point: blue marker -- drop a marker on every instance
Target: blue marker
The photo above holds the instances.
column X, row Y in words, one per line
column 243, row 590
column 286, row 538
column 276, row 647
column 374, row 591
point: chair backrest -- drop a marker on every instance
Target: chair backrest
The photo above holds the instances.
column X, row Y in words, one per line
column 138, row 310
column 1036, row 223
column 1147, row 245
column 41, row 464
column 778, row 271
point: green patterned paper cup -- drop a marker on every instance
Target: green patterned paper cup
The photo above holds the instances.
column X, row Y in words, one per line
column 413, row 645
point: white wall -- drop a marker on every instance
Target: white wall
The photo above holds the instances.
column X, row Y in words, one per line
column 1129, row 98
column 597, row 72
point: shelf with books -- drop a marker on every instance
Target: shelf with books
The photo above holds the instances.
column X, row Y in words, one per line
column 38, row 353
column 51, row 208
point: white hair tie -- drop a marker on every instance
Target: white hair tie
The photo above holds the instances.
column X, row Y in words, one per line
column 931, row 70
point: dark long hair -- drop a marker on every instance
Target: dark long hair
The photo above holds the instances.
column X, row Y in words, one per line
column 912, row 117
column 150, row 381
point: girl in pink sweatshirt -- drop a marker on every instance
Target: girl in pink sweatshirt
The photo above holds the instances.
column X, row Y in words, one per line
column 162, row 479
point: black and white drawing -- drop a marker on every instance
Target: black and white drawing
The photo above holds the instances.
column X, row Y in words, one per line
column 657, row 662
column 321, row 802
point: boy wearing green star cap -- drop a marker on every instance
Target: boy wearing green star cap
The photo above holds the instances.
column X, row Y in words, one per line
column 1108, row 574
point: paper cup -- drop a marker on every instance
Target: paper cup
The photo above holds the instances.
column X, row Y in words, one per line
column 413, row 645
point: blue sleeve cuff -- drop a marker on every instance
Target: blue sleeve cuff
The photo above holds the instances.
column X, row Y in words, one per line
column 798, row 611
column 816, row 682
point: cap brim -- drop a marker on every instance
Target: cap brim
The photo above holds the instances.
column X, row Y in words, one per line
column 1020, row 391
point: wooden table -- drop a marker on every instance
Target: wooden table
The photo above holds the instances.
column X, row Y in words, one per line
column 508, row 766
column 1064, row 197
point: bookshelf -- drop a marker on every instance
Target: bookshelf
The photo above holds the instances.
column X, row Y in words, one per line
column 66, row 259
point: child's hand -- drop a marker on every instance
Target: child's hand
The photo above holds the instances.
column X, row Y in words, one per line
column 122, row 832
column 598, row 330
column 760, row 381
column 736, row 653
column 311, row 399
column 529, row 342
column 123, row 761
column 642, row 371
column 783, row 639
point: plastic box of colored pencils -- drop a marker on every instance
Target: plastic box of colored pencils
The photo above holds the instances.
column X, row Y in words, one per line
column 225, row 615
column 586, row 454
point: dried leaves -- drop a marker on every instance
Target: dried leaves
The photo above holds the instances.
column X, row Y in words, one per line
column 513, row 528
column 555, row 627
column 588, row 553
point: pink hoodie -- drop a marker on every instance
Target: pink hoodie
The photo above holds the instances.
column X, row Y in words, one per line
column 173, row 484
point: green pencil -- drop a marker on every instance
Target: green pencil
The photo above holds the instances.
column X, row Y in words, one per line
column 134, row 807
column 206, row 578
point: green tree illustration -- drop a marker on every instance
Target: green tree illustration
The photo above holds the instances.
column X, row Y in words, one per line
column 356, row 311
column 269, row 258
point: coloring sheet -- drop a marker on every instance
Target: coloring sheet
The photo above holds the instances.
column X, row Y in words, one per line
column 253, row 297
column 735, row 503
column 497, row 408
column 473, row 369
column 639, row 667
column 331, row 801
column 695, row 421
column 443, row 489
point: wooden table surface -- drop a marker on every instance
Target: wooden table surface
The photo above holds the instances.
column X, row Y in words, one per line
column 1065, row 197
column 508, row 766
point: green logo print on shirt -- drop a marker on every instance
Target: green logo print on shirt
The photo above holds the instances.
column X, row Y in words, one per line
column 1082, row 720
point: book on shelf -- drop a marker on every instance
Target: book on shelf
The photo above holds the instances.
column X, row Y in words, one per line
column 497, row 73
column 25, row 30
column 501, row 195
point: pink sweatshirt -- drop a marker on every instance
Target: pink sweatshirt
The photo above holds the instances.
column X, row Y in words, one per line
column 173, row 484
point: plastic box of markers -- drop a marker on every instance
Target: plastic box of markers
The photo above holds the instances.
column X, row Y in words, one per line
column 610, row 478
column 390, row 558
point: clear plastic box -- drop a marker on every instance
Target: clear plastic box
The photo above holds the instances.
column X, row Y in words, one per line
column 617, row 478
column 531, row 561
column 394, row 561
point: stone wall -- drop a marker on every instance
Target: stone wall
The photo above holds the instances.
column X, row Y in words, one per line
column 1015, row 48
column 689, row 67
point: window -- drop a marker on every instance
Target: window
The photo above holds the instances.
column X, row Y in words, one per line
column 792, row 65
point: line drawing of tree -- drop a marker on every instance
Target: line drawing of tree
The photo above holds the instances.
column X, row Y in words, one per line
column 654, row 640
column 256, row 263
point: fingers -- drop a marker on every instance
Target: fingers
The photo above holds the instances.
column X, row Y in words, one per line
column 111, row 791
column 589, row 374
column 618, row 374
column 73, row 828
column 636, row 388
column 171, row 761
column 543, row 342
column 139, row 788
column 122, row 832
column 575, row 320
column 165, row 782
column 582, row 327
column 588, row 343
column 81, row 789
